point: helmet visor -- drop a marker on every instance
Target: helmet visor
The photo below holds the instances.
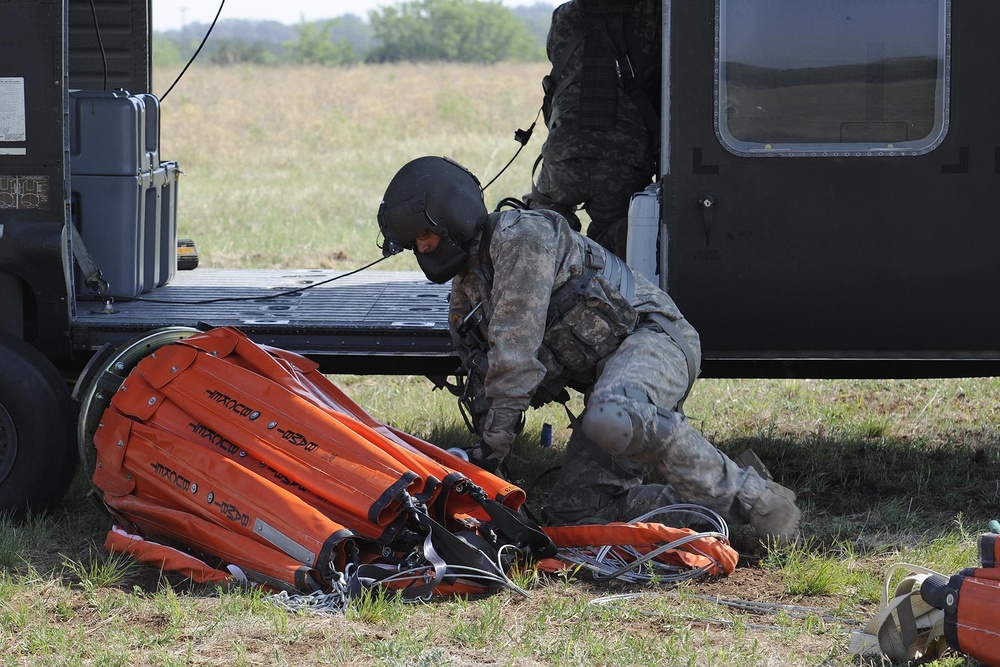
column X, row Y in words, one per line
column 403, row 223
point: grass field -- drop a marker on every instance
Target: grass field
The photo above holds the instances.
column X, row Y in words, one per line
column 285, row 168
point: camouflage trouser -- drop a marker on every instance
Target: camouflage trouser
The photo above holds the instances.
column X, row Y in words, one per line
column 646, row 376
column 603, row 188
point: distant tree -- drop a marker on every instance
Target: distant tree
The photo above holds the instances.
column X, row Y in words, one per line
column 166, row 53
column 451, row 30
column 353, row 30
column 315, row 44
column 235, row 51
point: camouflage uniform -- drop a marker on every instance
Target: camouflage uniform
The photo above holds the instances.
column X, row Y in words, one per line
column 604, row 345
column 599, row 150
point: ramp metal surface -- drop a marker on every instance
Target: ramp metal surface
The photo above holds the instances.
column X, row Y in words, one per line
column 382, row 322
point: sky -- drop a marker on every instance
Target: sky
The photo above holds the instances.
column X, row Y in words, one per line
column 171, row 14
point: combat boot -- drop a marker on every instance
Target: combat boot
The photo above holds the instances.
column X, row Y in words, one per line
column 775, row 516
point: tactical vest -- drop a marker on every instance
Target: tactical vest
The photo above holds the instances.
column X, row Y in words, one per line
column 587, row 319
column 610, row 60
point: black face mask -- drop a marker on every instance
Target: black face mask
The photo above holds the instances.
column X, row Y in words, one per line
column 444, row 263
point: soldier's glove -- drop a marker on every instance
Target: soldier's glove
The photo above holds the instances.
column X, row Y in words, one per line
column 500, row 427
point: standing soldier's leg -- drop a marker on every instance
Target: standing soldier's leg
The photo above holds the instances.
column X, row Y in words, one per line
column 610, row 191
column 559, row 187
column 632, row 413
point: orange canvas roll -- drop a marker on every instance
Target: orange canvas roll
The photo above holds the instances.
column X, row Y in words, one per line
column 715, row 556
column 213, row 488
column 259, row 562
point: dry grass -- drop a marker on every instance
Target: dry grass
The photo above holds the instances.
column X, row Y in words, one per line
column 285, row 167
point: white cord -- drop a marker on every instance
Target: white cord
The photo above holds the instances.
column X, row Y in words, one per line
column 624, row 562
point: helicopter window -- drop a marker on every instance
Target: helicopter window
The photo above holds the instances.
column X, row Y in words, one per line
column 831, row 77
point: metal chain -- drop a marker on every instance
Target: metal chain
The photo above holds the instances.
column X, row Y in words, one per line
column 317, row 603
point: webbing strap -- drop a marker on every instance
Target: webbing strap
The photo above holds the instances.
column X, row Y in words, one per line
column 599, row 79
column 671, row 330
column 619, row 274
column 485, row 261
column 906, row 628
column 633, row 88
column 523, row 532
column 559, row 64
column 92, row 275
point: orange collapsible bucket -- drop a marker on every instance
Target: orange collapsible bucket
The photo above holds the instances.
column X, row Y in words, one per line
column 220, row 456
column 249, row 455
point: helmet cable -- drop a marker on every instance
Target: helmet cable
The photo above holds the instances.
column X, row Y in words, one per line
column 522, row 137
column 269, row 297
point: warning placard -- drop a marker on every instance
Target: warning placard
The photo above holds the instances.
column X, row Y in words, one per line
column 12, row 109
column 24, row 192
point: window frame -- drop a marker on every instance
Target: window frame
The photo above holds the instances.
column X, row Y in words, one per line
column 939, row 130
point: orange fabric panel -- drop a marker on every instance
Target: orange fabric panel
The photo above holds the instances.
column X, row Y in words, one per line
column 495, row 487
column 259, row 457
column 217, row 490
column 166, row 558
column 243, row 407
column 715, row 555
column 977, row 623
column 260, row 562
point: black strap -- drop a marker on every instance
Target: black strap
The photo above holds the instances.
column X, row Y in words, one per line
column 559, row 64
column 631, row 84
column 671, row 330
column 444, row 547
column 442, row 551
column 92, row 275
column 600, row 75
column 485, row 262
column 519, row 529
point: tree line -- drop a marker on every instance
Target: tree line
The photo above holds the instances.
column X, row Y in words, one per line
column 474, row 31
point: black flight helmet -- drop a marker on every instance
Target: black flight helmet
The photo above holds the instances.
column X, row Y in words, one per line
column 437, row 195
